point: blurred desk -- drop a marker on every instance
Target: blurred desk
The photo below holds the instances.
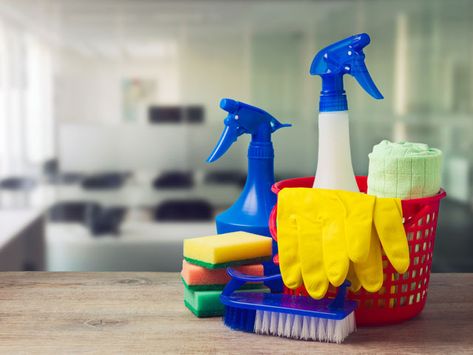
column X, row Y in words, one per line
column 130, row 195
column 141, row 246
column 22, row 239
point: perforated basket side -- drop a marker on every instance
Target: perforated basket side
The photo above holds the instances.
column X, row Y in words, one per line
column 401, row 296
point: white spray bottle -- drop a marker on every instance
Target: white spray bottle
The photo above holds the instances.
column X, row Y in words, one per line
column 334, row 166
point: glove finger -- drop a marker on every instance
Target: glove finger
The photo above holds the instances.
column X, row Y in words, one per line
column 336, row 260
column 388, row 223
column 351, row 276
column 311, row 257
column 288, row 241
column 370, row 271
column 359, row 220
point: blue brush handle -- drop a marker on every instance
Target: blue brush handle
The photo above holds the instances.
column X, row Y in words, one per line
column 339, row 300
column 239, row 279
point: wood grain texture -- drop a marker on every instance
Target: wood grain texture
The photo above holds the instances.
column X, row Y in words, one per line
column 144, row 313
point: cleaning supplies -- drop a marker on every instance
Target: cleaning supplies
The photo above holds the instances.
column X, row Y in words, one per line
column 402, row 297
column 320, row 232
column 203, row 268
column 250, row 212
column 206, row 303
column 296, row 317
column 334, row 166
column 198, row 278
column 229, row 249
column 404, row 170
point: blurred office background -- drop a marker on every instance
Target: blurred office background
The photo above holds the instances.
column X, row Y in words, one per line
column 109, row 108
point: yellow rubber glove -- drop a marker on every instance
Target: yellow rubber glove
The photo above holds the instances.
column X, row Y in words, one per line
column 293, row 225
column 288, row 243
column 351, row 276
column 391, row 232
column 321, row 231
column 358, row 223
column 312, row 257
column 331, row 226
column 370, row 271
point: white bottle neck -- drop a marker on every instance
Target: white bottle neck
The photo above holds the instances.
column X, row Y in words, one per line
column 334, row 166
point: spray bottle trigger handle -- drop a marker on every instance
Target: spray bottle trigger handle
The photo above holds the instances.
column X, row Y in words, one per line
column 360, row 72
column 228, row 137
column 275, row 125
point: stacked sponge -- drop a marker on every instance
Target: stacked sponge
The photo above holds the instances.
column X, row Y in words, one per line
column 204, row 268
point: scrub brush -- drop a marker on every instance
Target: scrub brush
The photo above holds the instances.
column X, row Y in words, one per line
column 297, row 317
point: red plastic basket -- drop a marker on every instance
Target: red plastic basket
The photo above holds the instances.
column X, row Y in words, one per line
column 402, row 296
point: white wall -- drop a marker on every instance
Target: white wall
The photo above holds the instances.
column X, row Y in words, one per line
column 89, row 86
column 203, row 70
column 213, row 68
column 90, row 147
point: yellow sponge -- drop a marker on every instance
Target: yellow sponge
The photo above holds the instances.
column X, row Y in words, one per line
column 230, row 249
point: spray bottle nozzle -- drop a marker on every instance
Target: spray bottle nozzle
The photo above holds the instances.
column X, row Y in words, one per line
column 243, row 118
column 229, row 105
column 340, row 58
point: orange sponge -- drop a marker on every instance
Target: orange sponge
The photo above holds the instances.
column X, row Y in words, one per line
column 194, row 275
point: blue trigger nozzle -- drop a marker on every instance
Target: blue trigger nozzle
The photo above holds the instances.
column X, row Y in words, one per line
column 229, row 105
column 334, row 61
column 243, row 118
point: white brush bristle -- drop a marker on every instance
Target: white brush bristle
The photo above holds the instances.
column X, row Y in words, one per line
column 304, row 327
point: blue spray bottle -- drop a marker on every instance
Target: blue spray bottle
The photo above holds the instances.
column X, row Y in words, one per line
column 334, row 166
column 250, row 212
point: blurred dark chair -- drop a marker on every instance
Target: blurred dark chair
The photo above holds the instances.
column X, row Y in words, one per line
column 183, row 210
column 18, row 183
column 99, row 220
column 105, row 181
column 69, row 178
column 71, row 211
column 51, row 167
column 225, row 177
column 174, row 180
column 53, row 175
column 102, row 220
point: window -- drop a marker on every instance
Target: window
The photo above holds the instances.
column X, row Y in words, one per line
column 26, row 99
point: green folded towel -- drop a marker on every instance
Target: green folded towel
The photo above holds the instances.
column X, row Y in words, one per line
column 404, row 170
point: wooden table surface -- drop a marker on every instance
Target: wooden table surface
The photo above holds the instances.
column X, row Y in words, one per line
column 144, row 313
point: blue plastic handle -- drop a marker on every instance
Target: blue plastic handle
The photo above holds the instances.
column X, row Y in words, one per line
column 239, row 279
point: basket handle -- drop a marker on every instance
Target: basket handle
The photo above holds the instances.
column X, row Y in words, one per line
column 272, row 223
column 413, row 220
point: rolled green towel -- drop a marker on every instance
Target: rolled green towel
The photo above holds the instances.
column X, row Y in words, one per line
column 404, row 170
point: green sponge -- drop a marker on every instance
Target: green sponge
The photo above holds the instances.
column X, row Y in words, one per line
column 217, row 287
column 228, row 264
column 207, row 303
